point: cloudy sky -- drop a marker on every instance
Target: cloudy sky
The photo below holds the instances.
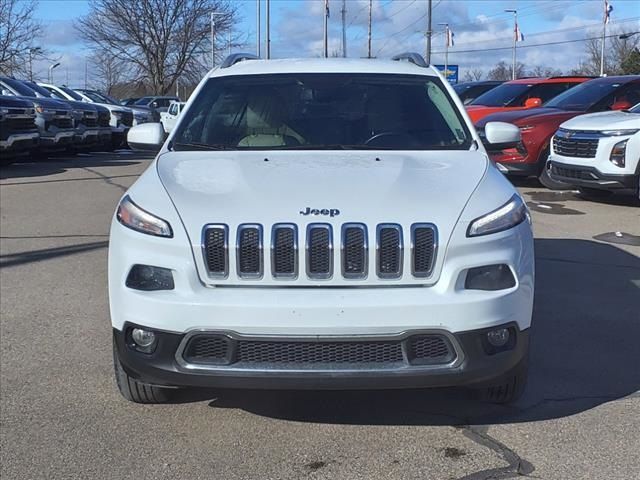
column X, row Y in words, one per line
column 483, row 31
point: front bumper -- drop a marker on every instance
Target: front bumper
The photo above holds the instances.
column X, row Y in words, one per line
column 591, row 177
column 19, row 142
column 57, row 140
column 473, row 365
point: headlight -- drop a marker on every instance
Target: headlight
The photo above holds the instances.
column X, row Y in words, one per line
column 619, row 133
column 41, row 109
column 618, row 153
column 512, row 213
column 4, row 110
column 132, row 216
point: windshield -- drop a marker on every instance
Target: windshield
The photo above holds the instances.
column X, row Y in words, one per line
column 94, row 96
column 584, row 96
column 502, row 96
column 143, row 101
column 323, row 111
column 635, row 109
column 19, row 87
column 71, row 93
column 38, row 89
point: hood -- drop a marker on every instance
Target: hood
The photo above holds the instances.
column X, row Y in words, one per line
column 50, row 103
column 366, row 187
column 522, row 117
column 478, row 112
column 604, row 121
column 15, row 102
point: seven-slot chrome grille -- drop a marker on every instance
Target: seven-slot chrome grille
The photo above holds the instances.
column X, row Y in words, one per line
column 575, row 144
column 326, row 253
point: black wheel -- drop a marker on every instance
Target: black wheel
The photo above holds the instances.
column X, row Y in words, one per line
column 546, row 180
column 509, row 387
column 594, row 192
column 136, row 391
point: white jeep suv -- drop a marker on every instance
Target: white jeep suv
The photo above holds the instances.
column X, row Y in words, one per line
column 321, row 224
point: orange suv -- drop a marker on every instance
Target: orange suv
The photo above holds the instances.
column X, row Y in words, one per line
column 520, row 94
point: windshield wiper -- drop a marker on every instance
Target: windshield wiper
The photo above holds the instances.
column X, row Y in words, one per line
column 201, row 146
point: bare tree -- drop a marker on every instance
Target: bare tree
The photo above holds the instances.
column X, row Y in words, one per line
column 109, row 70
column 503, row 71
column 473, row 75
column 159, row 40
column 19, row 33
column 617, row 52
column 539, row 71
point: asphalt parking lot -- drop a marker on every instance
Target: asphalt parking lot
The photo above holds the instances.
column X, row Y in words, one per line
column 63, row 418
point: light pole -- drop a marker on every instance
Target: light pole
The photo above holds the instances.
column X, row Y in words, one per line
column 326, row 29
column 515, row 41
column 369, row 31
column 213, row 37
column 624, row 36
column 258, row 33
column 32, row 50
column 446, row 50
column 51, row 67
column 268, row 15
column 429, row 32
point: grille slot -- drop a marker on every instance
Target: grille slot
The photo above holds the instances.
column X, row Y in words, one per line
column 389, row 251
column 127, row 118
column 208, row 349
column 216, row 250
column 104, row 118
column 576, row 147
column 62, row 122
column 319, row 251
column 284, row 251
column 423, row 245
column 249, row 251
column 90, row 121
column 355, row 251
column 430, row 349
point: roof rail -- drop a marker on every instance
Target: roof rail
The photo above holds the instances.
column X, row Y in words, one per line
column 236, row 58
column 574, row 76
column 411, row 57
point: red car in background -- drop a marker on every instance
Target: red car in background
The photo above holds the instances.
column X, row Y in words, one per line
column 539, row 124
column 520, row 94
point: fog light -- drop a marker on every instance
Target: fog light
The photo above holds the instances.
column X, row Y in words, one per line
column 143, row 338
column 148, row 278
column 489, row 277
column 498, row 337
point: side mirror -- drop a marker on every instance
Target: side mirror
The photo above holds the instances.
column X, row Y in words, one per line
column 621, row 105
column 532, row 102
column 147, row 137
column 501, row 135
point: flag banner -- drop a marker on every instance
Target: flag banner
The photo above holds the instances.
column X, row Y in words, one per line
column 519, row 34
column 450, row 35
column 608, row 8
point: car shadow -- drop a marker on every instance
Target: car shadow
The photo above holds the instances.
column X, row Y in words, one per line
column 584, row 353
column 27, row 167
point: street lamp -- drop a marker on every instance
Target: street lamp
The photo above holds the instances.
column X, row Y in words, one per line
column 515, row 41
column 213, row 40
column 446, row 50
column 624, row 36
column 32, row 51
column 54, row 65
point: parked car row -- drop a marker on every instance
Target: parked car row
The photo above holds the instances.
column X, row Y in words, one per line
column 576, row 131
column 39, row 118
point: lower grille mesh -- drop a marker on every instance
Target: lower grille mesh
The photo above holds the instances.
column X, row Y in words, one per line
column 423, row 349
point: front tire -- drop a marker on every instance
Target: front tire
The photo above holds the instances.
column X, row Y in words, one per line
column 134, row 390
column 509, row 387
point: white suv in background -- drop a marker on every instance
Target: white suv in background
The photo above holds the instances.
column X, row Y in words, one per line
column 321, row 223
column 169, row 118
column 599, row 152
